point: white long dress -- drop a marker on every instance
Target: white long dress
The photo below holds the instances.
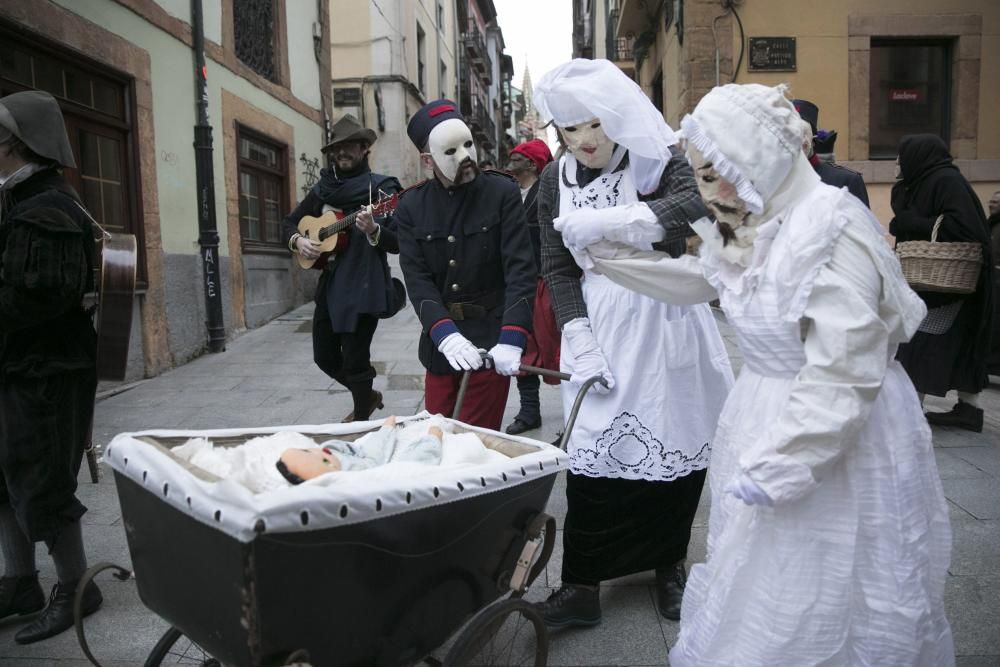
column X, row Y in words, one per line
column 847, row 568
column 670, row 366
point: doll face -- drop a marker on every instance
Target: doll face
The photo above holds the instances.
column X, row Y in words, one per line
column 588, row 143
column 718, row 194
column 307, row 464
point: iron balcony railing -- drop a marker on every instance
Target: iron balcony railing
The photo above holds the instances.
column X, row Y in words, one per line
column 475, row 47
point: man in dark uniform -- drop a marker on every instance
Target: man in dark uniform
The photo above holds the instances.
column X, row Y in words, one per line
column 466, row 258
column 48, row 377
column 356, row 288
column 526, row 162
column 822, row 143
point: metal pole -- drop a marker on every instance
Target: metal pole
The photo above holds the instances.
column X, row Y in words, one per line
column 208, row 235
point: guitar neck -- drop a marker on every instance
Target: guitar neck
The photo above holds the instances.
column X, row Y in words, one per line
column 339, row 226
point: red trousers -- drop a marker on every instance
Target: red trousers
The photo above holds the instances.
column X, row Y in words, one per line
column 485, row 397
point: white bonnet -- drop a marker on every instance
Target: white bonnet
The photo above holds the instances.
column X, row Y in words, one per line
column 751, row 133
column 582, row 89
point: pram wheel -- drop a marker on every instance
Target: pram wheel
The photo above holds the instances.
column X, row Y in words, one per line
column 510, row 633
column 174, row 648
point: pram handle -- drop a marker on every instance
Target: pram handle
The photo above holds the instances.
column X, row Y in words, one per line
column 535, row 370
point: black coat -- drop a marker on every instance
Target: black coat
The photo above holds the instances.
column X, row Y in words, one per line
column 466, row 245
column 531, row 218
column 933, row 186
column 358, row 280
column 840, row 177
column 46, row 266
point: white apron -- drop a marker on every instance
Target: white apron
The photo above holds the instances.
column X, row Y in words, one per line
column 671, row 370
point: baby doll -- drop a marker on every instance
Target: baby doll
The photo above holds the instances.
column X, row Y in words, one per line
column 374, row 449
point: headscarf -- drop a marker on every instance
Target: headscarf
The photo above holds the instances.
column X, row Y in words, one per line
column 921, row 154
column 583, row 89
column 33, row 116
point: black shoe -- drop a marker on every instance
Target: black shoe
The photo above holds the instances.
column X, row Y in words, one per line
column 375, row 403
column 20, row 595
column 58, row 615
column 963, row 415
column 670, row 584
column 572, row 605
column 521, row 425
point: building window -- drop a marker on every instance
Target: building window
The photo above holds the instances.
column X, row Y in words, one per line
column 440, row 15
column 910, row 92
column 421, row 59
column 254, row 35
column 97, row 108
column 443, row 80
column 263, row 184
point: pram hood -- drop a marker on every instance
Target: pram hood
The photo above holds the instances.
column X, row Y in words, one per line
column 352, row 498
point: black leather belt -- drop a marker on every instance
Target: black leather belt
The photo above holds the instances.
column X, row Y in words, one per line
column 476, row 309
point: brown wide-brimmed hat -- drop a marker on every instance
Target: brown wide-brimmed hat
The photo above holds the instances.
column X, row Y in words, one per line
column 33, row 116
column 349, row 128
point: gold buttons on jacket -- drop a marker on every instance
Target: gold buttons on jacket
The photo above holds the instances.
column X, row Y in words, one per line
column 428, row 237
column 452, row 262
column 454, row 287
column 484, row 228
column 451, row 239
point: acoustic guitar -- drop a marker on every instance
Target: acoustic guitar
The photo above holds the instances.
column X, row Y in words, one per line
column 332, row 230
column 115, row 301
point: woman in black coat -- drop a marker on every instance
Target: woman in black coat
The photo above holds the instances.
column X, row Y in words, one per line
column 950, row 349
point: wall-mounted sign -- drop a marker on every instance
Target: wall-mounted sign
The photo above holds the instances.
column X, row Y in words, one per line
column 772, row 54
column 346, row 97
column 904, row 95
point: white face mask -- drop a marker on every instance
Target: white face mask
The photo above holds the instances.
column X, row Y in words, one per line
column 588, row 143
column 450, row 144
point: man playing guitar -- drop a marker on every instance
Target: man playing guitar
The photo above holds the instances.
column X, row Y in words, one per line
column 355, row 289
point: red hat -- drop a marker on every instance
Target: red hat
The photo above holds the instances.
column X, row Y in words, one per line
column 535, row 150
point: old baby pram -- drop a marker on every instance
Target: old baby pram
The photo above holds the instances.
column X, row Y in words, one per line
column 381, row 578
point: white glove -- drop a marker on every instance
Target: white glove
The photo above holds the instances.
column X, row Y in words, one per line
column 460, row 353
column 748, row 491
column 632, row 224
column 506, row 358
column 588, row 360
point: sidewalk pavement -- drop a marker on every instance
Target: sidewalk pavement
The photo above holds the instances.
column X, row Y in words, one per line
column 266, row 377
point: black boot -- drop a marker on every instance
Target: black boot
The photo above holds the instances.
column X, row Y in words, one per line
column 530, row 415
column 58, row 615
column 963, row 415
column 670, row 584
column 363, row 408
column 572, row 605
column 20, row 595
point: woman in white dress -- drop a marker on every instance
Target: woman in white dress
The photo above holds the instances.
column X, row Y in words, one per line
column 639, row 449
column 829, row 538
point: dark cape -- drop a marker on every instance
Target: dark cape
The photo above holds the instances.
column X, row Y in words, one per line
column 933, row 186
column 358, row 280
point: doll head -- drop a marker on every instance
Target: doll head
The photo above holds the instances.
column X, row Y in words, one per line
column 300, row 465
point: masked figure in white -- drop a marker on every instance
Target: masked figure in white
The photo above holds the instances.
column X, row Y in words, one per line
column 641, row 445
column 828, row 538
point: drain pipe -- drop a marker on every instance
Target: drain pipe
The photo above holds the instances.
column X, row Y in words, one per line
column 208, row 235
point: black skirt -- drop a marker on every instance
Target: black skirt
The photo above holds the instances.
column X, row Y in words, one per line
column 937, row 363
column 616, row 527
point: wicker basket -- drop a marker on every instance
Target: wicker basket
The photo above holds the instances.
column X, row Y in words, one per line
column 929, row 266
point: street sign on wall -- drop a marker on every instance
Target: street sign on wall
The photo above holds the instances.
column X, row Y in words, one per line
column 346, row 97
column 772, row 54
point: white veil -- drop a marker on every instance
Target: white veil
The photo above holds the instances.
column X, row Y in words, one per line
column 583, row 89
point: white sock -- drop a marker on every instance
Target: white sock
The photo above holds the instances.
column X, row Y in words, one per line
column 971, row 399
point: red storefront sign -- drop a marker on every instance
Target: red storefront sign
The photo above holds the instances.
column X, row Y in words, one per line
column 904, row 95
